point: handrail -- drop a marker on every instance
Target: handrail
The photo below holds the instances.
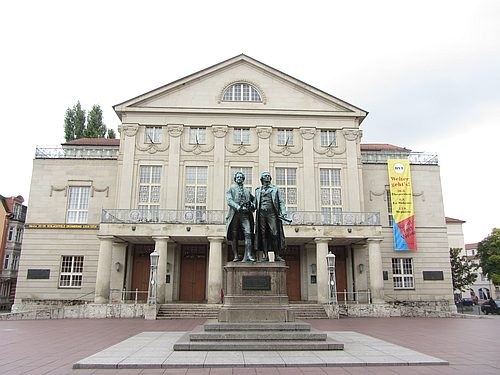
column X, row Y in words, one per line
column 120, row 295
column 347, row 298
column 86, row 152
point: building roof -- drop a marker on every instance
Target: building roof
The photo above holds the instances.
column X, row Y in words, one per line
column 93, row 142
column 348, row 109
column 382, row 147
column 471, row 246
column 452, row 220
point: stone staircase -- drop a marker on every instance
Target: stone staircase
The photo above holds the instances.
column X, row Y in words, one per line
column 211, row 311
column 308, row 311
column 188, row 311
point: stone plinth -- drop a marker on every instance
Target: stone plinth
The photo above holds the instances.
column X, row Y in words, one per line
column 256, row 292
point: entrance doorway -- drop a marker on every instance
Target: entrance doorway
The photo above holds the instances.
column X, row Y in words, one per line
column 292, row 260
column 193, row 273
column 340, row 270
column 140, row 272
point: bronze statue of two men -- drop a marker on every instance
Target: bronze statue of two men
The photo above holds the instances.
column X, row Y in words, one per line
column 270, row 210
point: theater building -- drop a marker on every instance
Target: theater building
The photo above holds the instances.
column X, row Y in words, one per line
column 99, row 207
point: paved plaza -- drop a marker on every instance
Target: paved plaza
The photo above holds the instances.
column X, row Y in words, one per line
column 372, row 346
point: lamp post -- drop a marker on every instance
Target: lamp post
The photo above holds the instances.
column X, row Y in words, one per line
column 332, row 283
column 153, row 277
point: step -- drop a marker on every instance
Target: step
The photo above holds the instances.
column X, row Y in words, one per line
column 184, row 344
column 257, row 335
column 214, row 325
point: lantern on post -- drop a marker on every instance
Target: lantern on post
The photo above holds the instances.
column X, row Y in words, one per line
column 153, row 277
column 332, row 283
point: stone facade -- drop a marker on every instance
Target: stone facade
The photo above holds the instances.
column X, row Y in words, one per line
column 162, row 187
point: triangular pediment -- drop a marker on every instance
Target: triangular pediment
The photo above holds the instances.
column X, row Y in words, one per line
column 203, row 91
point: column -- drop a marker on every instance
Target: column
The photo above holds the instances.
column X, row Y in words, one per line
column 214, row 270
column 376, row 275
column 103, row 269
column 161, row 247
column 321, row 269
column 117, row 269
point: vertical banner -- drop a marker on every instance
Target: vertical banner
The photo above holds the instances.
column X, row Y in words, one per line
column 403, row 222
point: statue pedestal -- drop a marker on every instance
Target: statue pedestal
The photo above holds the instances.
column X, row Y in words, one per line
column 255, row 292
column 256, row 316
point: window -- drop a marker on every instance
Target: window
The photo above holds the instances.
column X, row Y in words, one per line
column 19, row 234
column 328, row 138
column 285, row 137
column 241, row 136
column 149, row 187
column 286, row 179
column 402, row 273
column 15, row 262
column 198, row 136
column 247, row 171
column 241, row 92
column 196, row 191
column 153, row 134
column 71, row 272
column 330, row 195
column 11, row 233
column 78, row 204
column 6, row 262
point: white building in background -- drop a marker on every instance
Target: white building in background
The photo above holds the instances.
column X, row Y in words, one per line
column 483, row 288
column 99, row 207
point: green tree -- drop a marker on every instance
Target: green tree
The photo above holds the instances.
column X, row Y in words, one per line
column 111, row 134
column 74, row 123
column 69, row 125
column 488, row 251
column 462, row 270
column 79, row 120
column 95, row 125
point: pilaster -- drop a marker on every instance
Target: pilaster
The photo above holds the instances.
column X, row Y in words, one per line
column 264, row 134
column 128, row 133
column 352, row 137
column 174, row 151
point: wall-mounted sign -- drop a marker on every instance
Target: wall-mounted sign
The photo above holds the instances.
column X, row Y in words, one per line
column 38, row 274
column 61, row 226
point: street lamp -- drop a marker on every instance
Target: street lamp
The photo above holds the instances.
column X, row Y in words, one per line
column 153, row 277
column 332, row 283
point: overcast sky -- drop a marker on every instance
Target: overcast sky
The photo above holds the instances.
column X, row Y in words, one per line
column 428, row 73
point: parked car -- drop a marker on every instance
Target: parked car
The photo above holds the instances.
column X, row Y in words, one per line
column 491, row 307
column 467, row 302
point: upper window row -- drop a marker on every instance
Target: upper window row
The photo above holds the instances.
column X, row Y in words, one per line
column 240, row 136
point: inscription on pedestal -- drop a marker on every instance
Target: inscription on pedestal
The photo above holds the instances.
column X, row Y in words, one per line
column 256, row 282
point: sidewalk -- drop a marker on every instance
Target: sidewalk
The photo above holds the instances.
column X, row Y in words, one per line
column 471, row 346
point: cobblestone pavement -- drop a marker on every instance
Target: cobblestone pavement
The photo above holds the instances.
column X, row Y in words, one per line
column 471, row 346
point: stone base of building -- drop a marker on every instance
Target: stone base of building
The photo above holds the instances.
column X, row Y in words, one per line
column 70, row 310
column 434, row 309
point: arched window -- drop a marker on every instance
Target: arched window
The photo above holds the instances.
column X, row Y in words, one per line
column 241, row 92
